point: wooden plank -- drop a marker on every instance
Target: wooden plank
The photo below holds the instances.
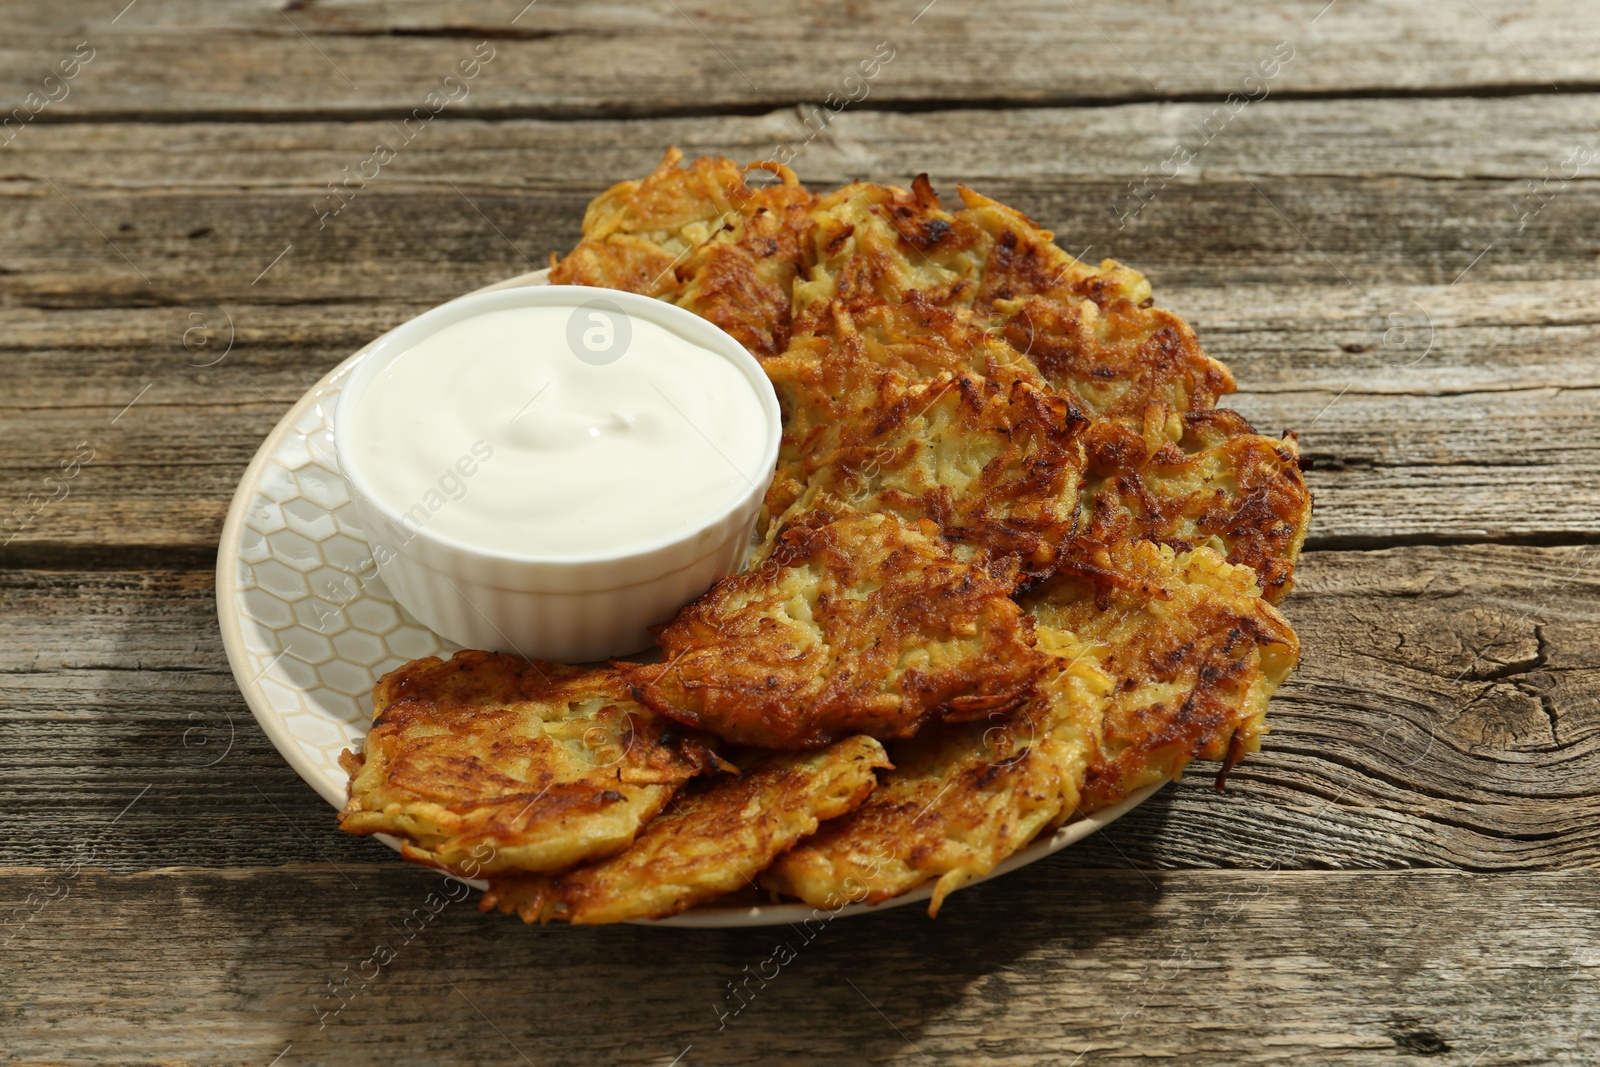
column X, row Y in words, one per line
column 1456, row 351
column 1426, row 412
column 1503, row 138
column 1050, row 965
column 1486, row 424
column 242, row 59
column 413, row 242
column 1445, row 715
column 1296, row 191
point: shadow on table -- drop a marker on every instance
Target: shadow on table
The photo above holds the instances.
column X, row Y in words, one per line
column 849, row 990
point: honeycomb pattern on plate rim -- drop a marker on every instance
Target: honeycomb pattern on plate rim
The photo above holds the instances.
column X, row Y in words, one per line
column 319, row 625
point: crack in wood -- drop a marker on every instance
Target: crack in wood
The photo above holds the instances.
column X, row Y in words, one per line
column 289, row 113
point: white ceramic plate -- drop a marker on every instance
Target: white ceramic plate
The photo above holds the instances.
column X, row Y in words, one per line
column 310, row 627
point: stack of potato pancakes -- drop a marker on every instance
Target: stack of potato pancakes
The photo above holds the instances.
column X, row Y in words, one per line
column 1015, row 566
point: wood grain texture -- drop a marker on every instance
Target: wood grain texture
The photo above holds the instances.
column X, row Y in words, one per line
column 1051, row 964
column 1352, row 193
column 1445, row 715
column 1490, row 431
column 1392, row 250
column 244, row 59
column 1446, row 359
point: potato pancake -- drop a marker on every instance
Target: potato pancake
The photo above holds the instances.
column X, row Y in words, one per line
column 1115, row 360
column 1194, row 648
column 700, row 237
column 1090, row 330
column 874, row 244
column 1090, row 325
column 742, row 278
column 855, row 624
column 997, row 470
column 710, row 841
column 1208, row 480
column 1159, row 659
column 961, row 798
column 549, row 765
column 855, row 365
column 1022, row 260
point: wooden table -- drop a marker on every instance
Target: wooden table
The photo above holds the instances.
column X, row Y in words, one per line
column 1390, row 238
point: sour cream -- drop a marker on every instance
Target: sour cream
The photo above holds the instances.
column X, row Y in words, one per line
column 558, row 433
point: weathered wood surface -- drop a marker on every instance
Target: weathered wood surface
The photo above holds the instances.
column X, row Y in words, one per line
column 1343, row 172
column 1050, row 965
column 1393, row 250
column 241, row 59
column 1493, row 431
column 1447, row 714
column 1446, row 360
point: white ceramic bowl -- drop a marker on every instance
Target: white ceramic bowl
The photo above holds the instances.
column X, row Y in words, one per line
column 570, row 609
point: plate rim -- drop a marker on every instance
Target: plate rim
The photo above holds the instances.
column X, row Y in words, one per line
column 228, row 618
column 228, row 557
